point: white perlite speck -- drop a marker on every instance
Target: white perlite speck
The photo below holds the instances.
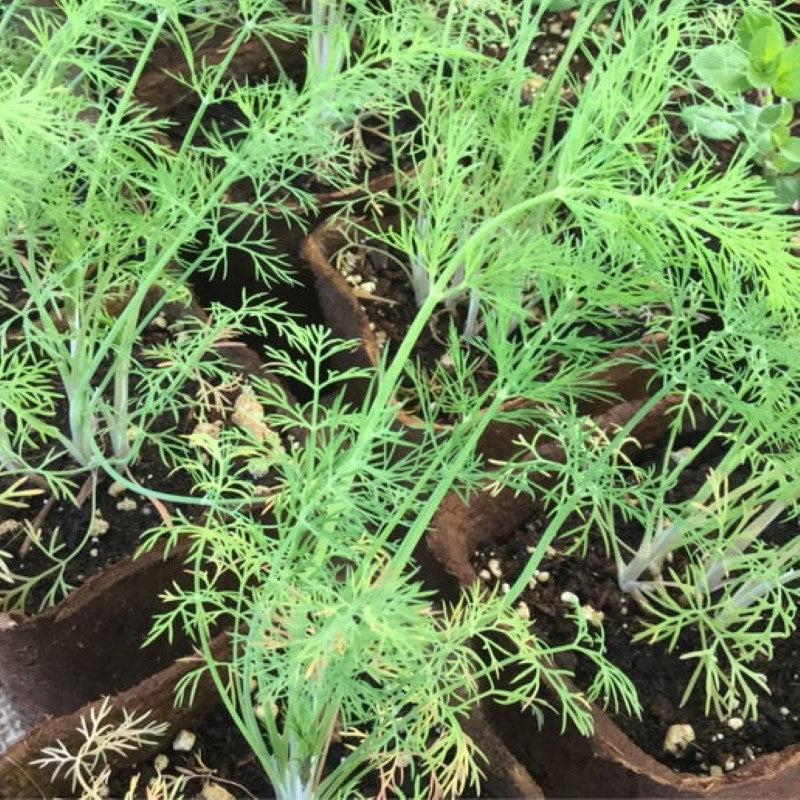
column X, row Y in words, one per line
column 678, row 738
column 160, row 762
column 184, row 741
column 98, row 526
column 213, row 791
column 570, row 597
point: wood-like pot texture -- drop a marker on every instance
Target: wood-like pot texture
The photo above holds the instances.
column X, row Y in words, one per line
column 56, row 667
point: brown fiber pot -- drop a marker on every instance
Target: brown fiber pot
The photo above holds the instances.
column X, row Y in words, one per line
column 56, row 667
column 344, row 314
column 566, row 764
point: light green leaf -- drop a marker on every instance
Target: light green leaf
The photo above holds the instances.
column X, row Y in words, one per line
column 787, row 189
column 771, row 115
column 779, row 136
column 722, row 67
column 746, row 117
column 751, row 22
column 764, row 144
column 710, row 122
column 787, row 84
column 765, row 51
column 790, row 150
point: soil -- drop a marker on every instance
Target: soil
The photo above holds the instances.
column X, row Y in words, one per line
column 659, row 675
column 109, row 520
column 221, row 756
column 127, row 516
column 381, row 284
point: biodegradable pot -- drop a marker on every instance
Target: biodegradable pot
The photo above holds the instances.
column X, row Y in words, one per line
column 504, row 775
column 345, row 316
column 565, row 763
column 56, row 667
column 318, row 296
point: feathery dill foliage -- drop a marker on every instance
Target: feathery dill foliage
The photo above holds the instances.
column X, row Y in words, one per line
column 107, row 732
column 548, row 235
column 705, row 243
column 335, row 637
column 612, row 188
column 98, row 213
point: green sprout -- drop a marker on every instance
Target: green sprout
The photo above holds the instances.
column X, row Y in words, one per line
column 758, row 60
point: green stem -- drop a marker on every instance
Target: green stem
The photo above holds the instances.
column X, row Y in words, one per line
column 566, row 508
column 118, row 423
column 440, row 289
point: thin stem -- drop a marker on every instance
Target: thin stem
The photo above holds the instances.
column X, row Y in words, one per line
column 440, row 288
column 564, row 509
column 118, row 423
column 751, row 591
column 718, row 569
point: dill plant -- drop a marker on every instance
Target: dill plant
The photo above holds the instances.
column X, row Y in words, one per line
column 702, row 567
column 103, row 738
column 333, row 636
column 735, row 589
column 490, row 173
column 99, row 215
column 102, row 219
column 678, row 242
column 364, row 62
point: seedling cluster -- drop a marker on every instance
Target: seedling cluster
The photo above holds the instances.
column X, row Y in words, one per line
column 562, row 224
column 757, row 77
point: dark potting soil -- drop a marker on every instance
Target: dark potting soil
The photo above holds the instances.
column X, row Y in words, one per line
column 660, row 676
column 109, row 520
column 221, row 756
column 114, row 526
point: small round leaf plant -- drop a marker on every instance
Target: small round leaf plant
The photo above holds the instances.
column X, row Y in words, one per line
column 755, row 80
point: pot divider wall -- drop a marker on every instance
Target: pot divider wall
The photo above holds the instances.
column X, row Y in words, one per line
column 566, row 764
column 504, row 775
column 55, row 667
column 345, row 316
